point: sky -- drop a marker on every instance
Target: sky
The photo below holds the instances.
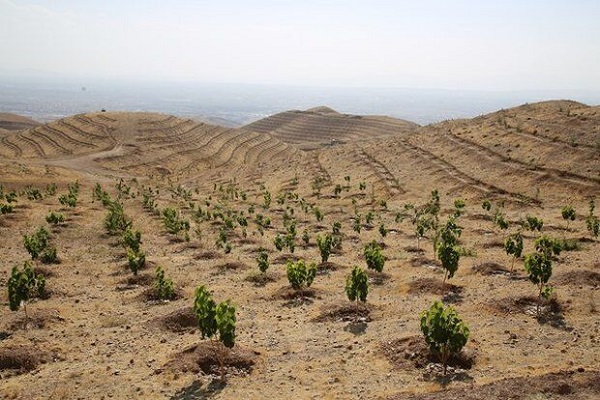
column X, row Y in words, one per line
column 460, row 44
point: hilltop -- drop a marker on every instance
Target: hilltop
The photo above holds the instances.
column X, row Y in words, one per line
column 322, row 126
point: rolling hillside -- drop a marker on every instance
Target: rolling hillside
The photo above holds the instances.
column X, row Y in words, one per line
column 141, row 144
column 322, row 126
column 14, row 122
column 207, row 200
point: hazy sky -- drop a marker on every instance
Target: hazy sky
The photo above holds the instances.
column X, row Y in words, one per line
column 454, row 44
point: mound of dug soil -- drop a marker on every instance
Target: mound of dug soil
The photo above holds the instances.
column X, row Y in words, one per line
column 413, row 352
column 579, row 278
column 490, row 268
column 182, row 320
column 345, row 312
column 451, row 293
column 566, row 385
column 203, row 357
column 38, row 319
column 22, row 358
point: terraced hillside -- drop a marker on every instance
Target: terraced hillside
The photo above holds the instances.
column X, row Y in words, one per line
column 206, row 201
column 14, row 122
column 141, row 143
column 322, row 126
column 484, row 157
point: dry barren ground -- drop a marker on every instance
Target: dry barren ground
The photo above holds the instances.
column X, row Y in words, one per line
column 99, row 334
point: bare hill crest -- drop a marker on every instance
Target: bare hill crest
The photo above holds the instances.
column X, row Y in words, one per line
column 322, row 126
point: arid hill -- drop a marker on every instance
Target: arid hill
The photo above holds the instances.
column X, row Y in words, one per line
column 14, row 122
column 323, row 126
column 133, row 144
column 207, row 200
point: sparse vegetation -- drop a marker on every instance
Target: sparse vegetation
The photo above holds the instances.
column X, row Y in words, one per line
column 444, row 331
column 163, row 286
column 216, row 322
column 300, row 275
column 23, row 285
column 357, row 285
column 373, row 256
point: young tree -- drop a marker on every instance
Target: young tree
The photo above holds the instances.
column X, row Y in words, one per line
column 568, row 214
column 513, row 245
column 215, row 319
column 263, row 260
column 24, row 285
column 539, row 268
column 357, row 285
column 174, row 224
column 533, row 223
column 136, row 260
column 36, row 243
column 116, row 222
column 446, row 246
column 592, row 222
column 132, row 239
column 372, row 253
column 444, row 331
column 486, row 205
column 55, row 218
column 300, row 275
column 163, row 286
column 325, row 245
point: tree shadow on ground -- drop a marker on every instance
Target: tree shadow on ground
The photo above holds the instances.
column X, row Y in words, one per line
column 196, row 391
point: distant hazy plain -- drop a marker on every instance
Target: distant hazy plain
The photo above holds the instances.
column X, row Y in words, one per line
column 49, row 99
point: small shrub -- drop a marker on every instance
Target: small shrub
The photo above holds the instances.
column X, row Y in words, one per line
column 49, row 256
column 36, row 243
column 325, row 244
column 383, row 231
column 300, row 275
column 533, row 223
column 215, row 319
column 163, row 286
column 592, row 222
column 136, row 260
column 305, row 237
column 132, row 240
column 173, row 223
column 55, row 218
column 5, row 208
column 116, row 222
column 568, row 214
column 357, row 285
column 444, row 331
column 539, row 268
column 446, row 247
column 263, row 260
column 513, row 245
column 279, row 242
column 24, row 285
column 318, row 214
column 373, row 256
column 486, row 205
